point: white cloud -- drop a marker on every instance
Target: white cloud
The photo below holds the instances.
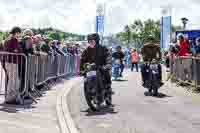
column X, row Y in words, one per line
column 79, row 15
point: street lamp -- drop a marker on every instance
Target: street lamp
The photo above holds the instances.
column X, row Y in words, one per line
column 184, row 21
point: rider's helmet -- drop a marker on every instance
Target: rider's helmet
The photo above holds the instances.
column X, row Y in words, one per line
column 94, row 36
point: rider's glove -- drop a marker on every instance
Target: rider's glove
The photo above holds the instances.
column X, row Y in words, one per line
column 82, row 73
column 107, row 67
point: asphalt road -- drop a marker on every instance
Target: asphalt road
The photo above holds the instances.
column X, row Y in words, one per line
column 175, row 111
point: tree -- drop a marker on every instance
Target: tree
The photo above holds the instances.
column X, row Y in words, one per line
column 128, row 32
column 142, row 30
column 54, row 35
column 139, row 30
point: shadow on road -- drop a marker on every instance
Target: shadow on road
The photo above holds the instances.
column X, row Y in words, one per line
column 8, row 108
column 103, row 111
column 28, row 105
column 120, row 80
column 160, row 95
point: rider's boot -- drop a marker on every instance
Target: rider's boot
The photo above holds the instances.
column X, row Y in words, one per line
column 150, row 91
column 109, row 96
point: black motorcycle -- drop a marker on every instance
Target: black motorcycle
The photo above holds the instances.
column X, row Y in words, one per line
column 95, row 86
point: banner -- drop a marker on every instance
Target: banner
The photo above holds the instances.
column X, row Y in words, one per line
column 100, row 24
column 165, row 32
column 100, row 18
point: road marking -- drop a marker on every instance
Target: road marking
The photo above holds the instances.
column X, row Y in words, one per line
column 65, row 120
column 104, row 125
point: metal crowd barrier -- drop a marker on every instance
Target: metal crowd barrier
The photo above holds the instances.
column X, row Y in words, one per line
column 13, row 75
column 186, row 70
column 20, row 74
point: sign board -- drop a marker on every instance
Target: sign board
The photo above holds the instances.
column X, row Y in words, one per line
column 100, row 19
column 191, row 34
column 165, row 32
column 100, row 24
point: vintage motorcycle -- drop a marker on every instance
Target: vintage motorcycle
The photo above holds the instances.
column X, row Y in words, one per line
column 151, row 70
column 95, row 91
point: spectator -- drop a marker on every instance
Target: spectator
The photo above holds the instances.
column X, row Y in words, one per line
column 46, row 46
column 56, row 46
column 37, row 42
column 1, row 46
column 65, row 48
column 119, row 55
column 134, row 59
column 184, row 46
column 12, row 67
column 70, row 49
column 77, row 49
column 27, row 42
column 12, row 43
column 59, row 48
column 167, row 59
column 197, row 47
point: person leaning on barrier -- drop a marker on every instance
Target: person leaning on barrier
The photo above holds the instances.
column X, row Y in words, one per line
column 184, row 46
column 38, row 45
column 1, row 46
column 37, row 42
column 56, row 48
column 27, row 45
column 77, row 49
column 46, row 46
column 197, row 47
column 64, row 49
column 12, row 45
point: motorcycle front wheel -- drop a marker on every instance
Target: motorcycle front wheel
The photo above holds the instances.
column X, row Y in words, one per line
column 91, row 100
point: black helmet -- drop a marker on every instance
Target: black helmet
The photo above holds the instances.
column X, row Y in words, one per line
column 94, row 36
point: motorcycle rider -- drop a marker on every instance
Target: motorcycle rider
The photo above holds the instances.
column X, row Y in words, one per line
column 149, row 57
column 119, row 55
column 100, row 55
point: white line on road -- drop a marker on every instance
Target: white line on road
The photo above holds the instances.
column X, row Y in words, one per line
column 65, row 120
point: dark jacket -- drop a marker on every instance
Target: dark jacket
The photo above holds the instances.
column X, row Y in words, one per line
column 27, row 46
column 146, row 72
column 119, row 55
column 12, row 45
column 102, row 57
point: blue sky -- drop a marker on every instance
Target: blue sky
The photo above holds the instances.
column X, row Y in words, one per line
column 79, row 15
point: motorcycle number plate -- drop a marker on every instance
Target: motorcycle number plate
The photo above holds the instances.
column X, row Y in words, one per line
column 91, row 74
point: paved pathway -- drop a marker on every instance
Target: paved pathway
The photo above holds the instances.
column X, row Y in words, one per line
column 38, row 118
column 175, row 111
